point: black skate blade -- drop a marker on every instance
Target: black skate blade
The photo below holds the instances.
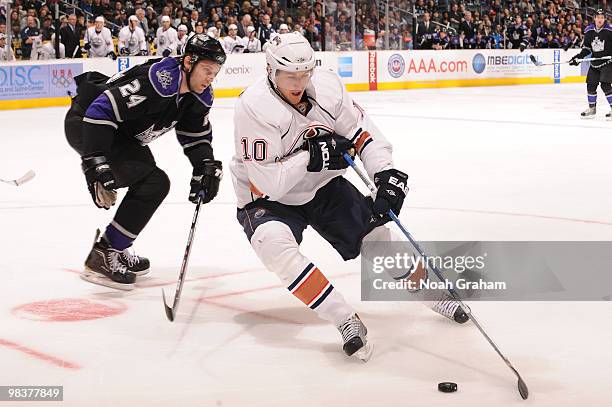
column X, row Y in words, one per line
column 169, row 311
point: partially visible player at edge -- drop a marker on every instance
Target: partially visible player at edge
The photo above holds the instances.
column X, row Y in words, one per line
column 291, row 128
column 110, row 123
column 598, row 43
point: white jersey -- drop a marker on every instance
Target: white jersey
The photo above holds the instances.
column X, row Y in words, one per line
column 4, row 56
column 47, row 51
column 233, row 45
column 180, row 48
column 134, row 41
column 252, row 44
column 166, row 39
column 268, row 134
column 101, row 42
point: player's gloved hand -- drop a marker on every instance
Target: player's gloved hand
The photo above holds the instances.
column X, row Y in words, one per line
column 522, row 47
column 205, row 180
column 143, row 52
column 87, row 46
column 392, row 188
column 574, row 61
column 100, row 180
column 112, row 55
column 325, row 148
column 166, row 52
column 124, row 51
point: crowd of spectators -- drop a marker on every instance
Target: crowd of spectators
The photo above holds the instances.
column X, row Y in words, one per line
column 245, row 26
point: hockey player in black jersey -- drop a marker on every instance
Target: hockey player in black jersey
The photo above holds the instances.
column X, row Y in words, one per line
column 110, row 123
column 598, row 43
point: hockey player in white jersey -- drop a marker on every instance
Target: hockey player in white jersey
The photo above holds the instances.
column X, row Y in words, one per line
column 183, row 35
column 166, row 40
column 291, row 129
column 233, row 43
column 6, row 53
column 132, row 39
column 99, row 40
column 45, row 50
column 251, row 42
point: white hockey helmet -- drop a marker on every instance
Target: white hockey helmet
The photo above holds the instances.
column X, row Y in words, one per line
column 289, row 52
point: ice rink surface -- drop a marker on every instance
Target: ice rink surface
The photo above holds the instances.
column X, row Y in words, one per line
column 497, row 163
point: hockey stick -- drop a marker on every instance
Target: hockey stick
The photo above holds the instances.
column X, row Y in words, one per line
column 538, row 63
column 522, row 387
column 25, row 178
column 171, row 312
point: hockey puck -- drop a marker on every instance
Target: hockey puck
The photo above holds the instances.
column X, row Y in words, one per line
column 447, row 387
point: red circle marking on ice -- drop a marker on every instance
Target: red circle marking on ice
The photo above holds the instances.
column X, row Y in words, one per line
column 69, row 310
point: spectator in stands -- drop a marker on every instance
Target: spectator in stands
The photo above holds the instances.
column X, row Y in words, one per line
column 70, row 36
column 47, row 29
column 30, row 13
column 28, row 35
column 245, row 22
column 142, row 20
column 395, row 39
column 264, row 29
column 467, row 26
column 454, row 17
column 425, row 32
column 199, row 27
column 195, row 17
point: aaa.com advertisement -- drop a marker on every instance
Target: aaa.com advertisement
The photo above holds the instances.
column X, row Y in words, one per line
column 408, row 66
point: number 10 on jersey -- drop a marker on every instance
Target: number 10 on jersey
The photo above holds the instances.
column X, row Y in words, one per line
column 258, row 151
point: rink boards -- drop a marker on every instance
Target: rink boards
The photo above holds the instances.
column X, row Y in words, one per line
column 50, row 83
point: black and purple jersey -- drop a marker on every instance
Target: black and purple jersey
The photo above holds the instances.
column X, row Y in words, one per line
column 598, row 43
column 145, row 102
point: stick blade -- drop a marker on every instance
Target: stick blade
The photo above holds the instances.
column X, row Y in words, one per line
column 534, row 60
column 26, row 177
column 522, row 387
column 169, row 311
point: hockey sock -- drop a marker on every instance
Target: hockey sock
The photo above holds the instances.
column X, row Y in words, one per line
column 592, row 94
column 607, row 88
column 118, row 237
column 278, row 250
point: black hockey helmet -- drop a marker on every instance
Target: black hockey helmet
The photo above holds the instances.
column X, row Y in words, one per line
column 201, row 46
column 600, row 12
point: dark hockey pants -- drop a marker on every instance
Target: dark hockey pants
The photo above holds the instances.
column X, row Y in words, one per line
column 134, row 168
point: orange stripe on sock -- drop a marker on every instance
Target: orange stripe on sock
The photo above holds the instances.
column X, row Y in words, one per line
column 311, row 287
column 362, row 139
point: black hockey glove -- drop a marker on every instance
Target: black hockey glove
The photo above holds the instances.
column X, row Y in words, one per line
column 124, row 51
column 392, row 188
column 143, row 53
column 112, row 55
column 326, row 152
column 205, row 180
column 87, row 47
column 574, row 60
column 166, row 52
column 100, row 180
